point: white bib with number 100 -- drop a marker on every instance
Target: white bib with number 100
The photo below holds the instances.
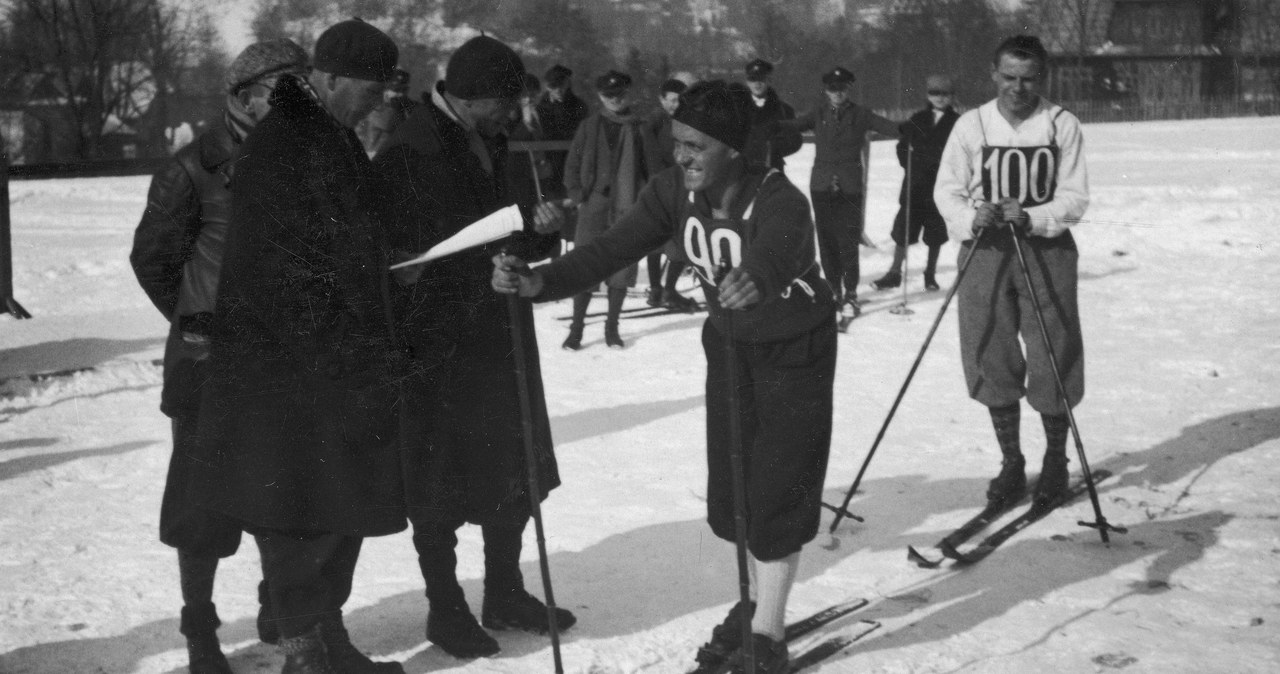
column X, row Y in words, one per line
column 1028, row 174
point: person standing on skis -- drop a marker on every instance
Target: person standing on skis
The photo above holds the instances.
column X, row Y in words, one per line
column 724, row 211
column 1017, row 162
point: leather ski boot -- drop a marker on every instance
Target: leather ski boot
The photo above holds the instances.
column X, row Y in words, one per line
column 305, row 654
column 726, row 638
column 1053, row 482
column 574, row 341
column 1010, row 485
column 771, row 656
column 344, row 656
column 199, row 625
column 892, row 279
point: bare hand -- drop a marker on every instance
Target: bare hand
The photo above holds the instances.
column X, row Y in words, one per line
column 405, row 276
column 1011, row 211
column 547, row 217
column 988, row 215
column 738, row 291
column 512, row 276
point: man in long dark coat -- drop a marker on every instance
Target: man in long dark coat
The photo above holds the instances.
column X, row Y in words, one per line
column 561, row 111
column 299, row 420
column 444, row 169
column 924, row 136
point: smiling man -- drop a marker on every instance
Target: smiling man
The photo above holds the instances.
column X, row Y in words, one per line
column 1018, row 160
column 725, row 213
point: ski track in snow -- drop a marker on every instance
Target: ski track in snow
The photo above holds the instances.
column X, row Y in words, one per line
column 1178, row 269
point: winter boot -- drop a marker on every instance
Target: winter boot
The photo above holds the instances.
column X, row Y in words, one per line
column 1011, row 484
column 199, row 625
column 930, row 282
column 1054, row 475
column 677, row 302
column 457, row 633
column 344, row 656
column 771, row 656
column 580, row 303
column 574, row 341
column 726, row 637
column 611, row 336
column 520, row 610
column 268, row 631
column 305, row 654
column 616, row 297
column 931, row 266
column 653, row 298
column 892, row 279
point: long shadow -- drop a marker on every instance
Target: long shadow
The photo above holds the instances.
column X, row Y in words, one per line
column 68, row 354
column 26, row 464
column 596, row 421
column 27, row 443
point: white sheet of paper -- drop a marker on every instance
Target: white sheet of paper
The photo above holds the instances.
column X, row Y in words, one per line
column 488, row 229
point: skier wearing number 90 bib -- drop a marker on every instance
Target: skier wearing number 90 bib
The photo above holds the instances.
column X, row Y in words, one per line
column 1017, row 162
column 722, row 211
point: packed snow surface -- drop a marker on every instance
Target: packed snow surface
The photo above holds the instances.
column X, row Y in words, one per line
column 1182, row 331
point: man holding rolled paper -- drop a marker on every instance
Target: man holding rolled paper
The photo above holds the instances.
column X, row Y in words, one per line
column 443, row 170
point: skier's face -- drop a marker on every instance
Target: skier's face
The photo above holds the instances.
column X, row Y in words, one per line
column 705, row 162
column 1018, row 83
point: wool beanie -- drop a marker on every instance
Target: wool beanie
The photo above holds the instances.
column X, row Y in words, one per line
column 718, row 109
column 263, row 60
column 355, row 49
column 484, row 68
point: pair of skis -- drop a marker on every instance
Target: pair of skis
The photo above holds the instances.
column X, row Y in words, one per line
column 949, row 546
column 818, row 652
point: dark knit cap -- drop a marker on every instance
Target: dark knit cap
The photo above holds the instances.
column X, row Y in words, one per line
column 718, row 109
column 557, row 75
column 266, row 59
column 758, row 69
column 837, row 78
column 484, row 68
column 613, row 83
column 355, row 49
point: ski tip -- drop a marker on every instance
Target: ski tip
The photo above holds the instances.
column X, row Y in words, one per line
column 920, row 560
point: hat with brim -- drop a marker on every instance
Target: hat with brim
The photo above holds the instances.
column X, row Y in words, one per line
column 837, row 78
column 264, row 60
column 613, row 83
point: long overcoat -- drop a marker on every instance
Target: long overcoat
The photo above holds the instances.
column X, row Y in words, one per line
column 299, row 421
column 926, row 140
column 466, row 452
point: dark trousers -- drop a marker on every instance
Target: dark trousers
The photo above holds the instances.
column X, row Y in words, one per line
column 838, row 218
column 785, row 393
column 308, row 576
column 436, row 541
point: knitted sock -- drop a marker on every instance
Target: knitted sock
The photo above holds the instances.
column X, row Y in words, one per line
column 1056, row 427
column 1007, row 422
column 773, row 585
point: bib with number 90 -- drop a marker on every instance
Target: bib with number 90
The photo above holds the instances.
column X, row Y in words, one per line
column 1027, row 174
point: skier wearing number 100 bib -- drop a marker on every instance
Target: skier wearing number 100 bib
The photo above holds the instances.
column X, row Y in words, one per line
column 772, row 312
column 1017, row 162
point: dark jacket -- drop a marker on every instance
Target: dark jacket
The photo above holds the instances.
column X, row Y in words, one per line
column 592, row 162
column 560, row 121
column 177, row 255
column 299, row 420
column 769, row 142
column 840, row 137
column 926, row 141
column 467, row 449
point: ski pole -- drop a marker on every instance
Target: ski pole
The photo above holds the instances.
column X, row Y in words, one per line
column 1101, row 523
column 842, row 511
column 531, row 459
column 906, row 241
column 739, row 477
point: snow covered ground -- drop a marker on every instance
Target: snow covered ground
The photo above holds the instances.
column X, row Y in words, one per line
column 1182, row 339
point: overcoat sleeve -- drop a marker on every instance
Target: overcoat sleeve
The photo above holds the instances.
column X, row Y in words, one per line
column 164, row 237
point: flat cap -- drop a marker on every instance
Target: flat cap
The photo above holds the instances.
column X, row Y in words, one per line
column 355, row 49
column 838, row 78
column 758, row 69
column 613, row 83
column 266, row 59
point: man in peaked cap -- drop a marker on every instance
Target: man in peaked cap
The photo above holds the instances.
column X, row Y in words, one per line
column 836, row 186
column 769, row 141
column 177, row 255
column 614, row 153
column 443, row 169
column 299, row 418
